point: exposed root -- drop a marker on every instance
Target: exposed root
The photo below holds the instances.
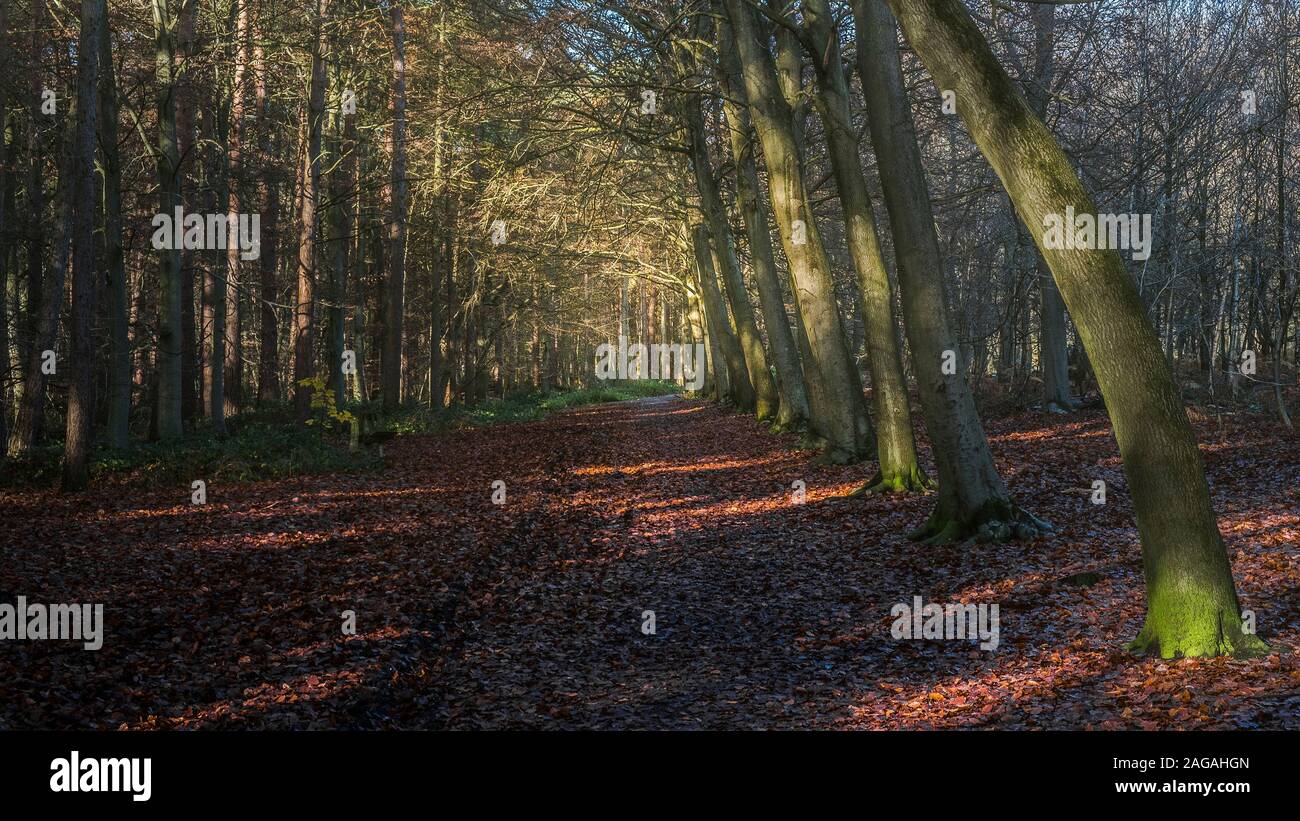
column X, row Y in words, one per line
column 934, row 534
column 995, row 522
column 1204, row 637
column 910, row 480
column 811, row 441
column 791, row 425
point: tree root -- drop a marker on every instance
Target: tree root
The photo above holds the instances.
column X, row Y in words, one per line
column 1204, row 637
column 908, row 480
column 792, row 425
column 811, row 441
column 1068, row 405
column 995, row 522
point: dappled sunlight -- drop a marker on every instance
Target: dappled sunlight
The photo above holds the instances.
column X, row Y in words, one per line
column 657, row 468
column 772, row 607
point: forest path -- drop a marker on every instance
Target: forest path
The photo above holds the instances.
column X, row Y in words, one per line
column 767, row 612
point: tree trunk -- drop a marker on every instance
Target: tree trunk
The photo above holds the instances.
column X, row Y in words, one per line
column 792, row 411
column 895, row 447
column 1051, row 313
column 234, row 363
column 304, row 307
column 1192, row 607
column 170, row 331
column 6, row 213
column 268, row 337
column 119, row 399
column 31, row 410
column 972, row 498
column 215, row 129
column 340, row 186
column 392, row 354
column 183, row 94
column 35, row 202
column 745, row 395
column 829, row 363
column 715, row 314
column 81, row 402
column 752, row 388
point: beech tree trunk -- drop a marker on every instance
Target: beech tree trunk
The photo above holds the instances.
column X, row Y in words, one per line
column 838, row 418
column 895, row 447
column 738, row 390
column 1192, row 607
column 972, row 498
column 751, row 384
column 792, row 411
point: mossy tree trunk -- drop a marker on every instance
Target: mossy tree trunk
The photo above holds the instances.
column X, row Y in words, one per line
column 841, row 417
column 1192, row 607
column 895, row 446
column 793, row 410
column 738, row 391
column 760, row 396
column 972, row 498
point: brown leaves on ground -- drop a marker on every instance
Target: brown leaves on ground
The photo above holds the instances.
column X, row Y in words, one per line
column 768, row 613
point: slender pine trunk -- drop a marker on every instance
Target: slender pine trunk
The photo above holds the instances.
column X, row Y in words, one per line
column 81, row 402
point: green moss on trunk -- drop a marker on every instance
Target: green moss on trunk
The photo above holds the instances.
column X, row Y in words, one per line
column 910, row 479
column 996, row 521
column 1193, row 631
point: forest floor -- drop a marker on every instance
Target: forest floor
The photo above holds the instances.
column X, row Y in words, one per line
column 768, row 613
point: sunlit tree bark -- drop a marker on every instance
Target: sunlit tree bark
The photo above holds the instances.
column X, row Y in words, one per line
column 1192, row 607
column 305, row 301
column 838, row 418
column 899, row 470
column 751, row 386
column 972, row 498
column 720, row 331
column 395, row 301
column 792, row 411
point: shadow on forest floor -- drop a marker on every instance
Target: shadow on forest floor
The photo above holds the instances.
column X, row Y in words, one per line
column 767, row 613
